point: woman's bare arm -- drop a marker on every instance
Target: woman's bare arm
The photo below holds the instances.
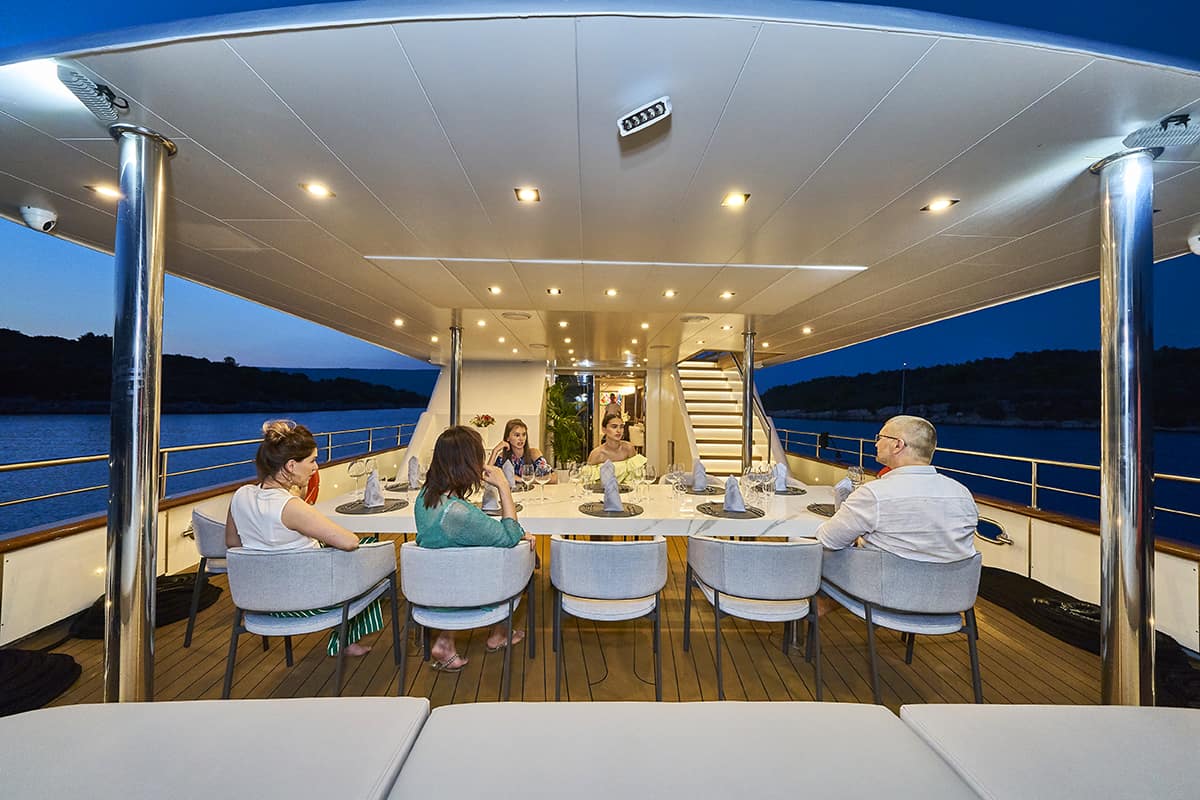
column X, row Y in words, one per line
column 303, row 518
column 232, row 539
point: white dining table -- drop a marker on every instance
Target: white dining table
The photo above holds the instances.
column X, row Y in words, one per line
column 663, row 514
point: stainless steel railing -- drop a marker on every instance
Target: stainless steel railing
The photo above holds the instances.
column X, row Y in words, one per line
column 379, row 437
column 854, row 447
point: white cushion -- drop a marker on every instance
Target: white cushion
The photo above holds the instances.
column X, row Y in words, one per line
column 308, row 748
column 1066, row 752
column 462, row 619
column 607, row 610
column 930, row 624
column 267, row 625
column 725, row 751
column 760, row 610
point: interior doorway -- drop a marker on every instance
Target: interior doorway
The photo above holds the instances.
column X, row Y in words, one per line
column 625, row 395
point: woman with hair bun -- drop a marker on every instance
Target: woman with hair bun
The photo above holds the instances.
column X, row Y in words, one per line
column 268, row 516
column 613, row 447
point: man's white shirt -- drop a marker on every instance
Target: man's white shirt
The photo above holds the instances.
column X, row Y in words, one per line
column 911, row 511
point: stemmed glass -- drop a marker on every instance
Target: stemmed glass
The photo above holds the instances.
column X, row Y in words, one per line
column 649, row 475
column 575, row 476
column 855, row 474
column 680, row 489
column 358, row 470
column 527, row 472
column 637, row 477
column 542, row 475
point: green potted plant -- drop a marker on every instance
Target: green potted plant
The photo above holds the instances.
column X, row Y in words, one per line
column 563, row 427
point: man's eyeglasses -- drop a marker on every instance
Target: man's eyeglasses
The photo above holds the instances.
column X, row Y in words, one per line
column 879, row 436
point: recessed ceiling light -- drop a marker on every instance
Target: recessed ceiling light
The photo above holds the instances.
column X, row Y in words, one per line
column 433, row 339
column 482, row 323
column 514, row 349
column 494, row 290
column 567, row 340
column 318, row 190
column 554, row 290
column 399, row 323
column 727, row 295
column 104, row 190
column 645, row 326
column 500, row 340
column 699, row 341
column 940, row 204
column 726, row 327
column 633, row 341
column 736, row 199
column 766, row 344
column 572, row 359
column 628, row 353
column 611, row 292
column 806, row 330
column 571, row 351
column 562, row 323
column 517, row 315
column 669, row 293
column 528, row 194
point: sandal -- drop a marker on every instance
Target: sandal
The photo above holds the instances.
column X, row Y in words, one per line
column 517, row 637
column 449, row 665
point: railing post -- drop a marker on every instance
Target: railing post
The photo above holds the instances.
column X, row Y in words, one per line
column 162, row 473
column 1033, row 484
column 329, row 446
column 370, row 440
column 860, row 453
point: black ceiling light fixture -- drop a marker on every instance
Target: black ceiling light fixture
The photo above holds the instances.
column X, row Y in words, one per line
column 644, row 116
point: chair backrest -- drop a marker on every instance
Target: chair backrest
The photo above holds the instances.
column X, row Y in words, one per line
column 757, row 570
column 298, row 580
column 463, row 577
column 208, row 525
column 608, row 570
column 888, row 580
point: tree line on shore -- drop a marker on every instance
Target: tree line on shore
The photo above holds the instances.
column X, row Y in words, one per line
column 49, row 374
column 1053, row 386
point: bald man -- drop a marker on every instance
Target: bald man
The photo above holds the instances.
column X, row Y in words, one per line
column 911, row 511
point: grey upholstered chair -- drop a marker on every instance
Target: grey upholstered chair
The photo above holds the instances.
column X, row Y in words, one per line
column 908, row 596
column 460, row 588
column 608, row 581
column 761, row 581
column 261, row 582
column 208, row 528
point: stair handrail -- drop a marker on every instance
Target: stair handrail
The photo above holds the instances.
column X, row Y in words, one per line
column 778, row 454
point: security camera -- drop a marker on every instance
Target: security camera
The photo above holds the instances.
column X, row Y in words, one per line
column 1194, row 244
column 40, row 219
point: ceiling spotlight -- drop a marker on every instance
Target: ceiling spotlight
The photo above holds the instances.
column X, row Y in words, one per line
column 727, row 295
column 104, row 190
column 493, row 290
column 736, row 199
column 528, row 194
column 726, row 327
column 572, row 360
column 567, row 340
column 644, row 116
column 482, row 323
column 554, row 290
column 611, row 292
column 514, row 349
column 433, row 339
column 571, row 352
column 98, row 98
column 562, row 323
column 399, row 323
column 500, row 340
column 669, row 293
column 645, row 326
column 628, row 353
column 633, row 341
column 806, row 330
column 940, row 204
column 318, row 190
column 699, row 341
column 765, row 344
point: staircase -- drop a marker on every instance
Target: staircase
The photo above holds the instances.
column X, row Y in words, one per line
column 712, row 395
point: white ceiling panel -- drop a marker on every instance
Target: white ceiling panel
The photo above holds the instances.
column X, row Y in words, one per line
column 631, row 181
column 429, row 282
column 538, row 278
column 92, row 225
column 642, row 288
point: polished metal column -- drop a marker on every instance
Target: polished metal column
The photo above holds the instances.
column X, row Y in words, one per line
column 455, row 373
column 1126, row 428
column 748, row 399
column 133, row 451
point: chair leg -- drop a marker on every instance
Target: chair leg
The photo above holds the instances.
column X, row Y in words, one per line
column 197, row 587
column 531, row 617
column 658, row 646
column 787, row 635
column 687, row 610
column 908, row 649
column 426, row 642
column 506, row 678
column 808, row 641
column 973, row 647
column 287, row 650
column 814, row 645
column 342, row 645
column 871, row 652
column 232, row 657
column 558, row 644
column 404, row 650
column 717, row 615
column 395, row 619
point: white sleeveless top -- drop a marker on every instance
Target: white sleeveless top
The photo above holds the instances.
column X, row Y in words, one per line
column 258, row 514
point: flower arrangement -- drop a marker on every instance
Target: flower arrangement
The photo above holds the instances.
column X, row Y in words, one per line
column 483, row 420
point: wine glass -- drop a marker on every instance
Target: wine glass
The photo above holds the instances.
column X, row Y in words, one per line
column 680, row 489
column 649, row 475
column 527, row 472
column 855, row 474
column 542, row 474
column 358, row 470
column 575, row 476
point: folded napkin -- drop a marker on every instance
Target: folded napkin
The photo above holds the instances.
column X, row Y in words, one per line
column 733, row 496
column 373, row 494
column 510, row 473
column 841, row 490
column 783, row 480
column 491, row 498
column 414, row 472
column 612, row 490
column 699, row 476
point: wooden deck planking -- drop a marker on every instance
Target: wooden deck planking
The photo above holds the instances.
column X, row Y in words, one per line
column 614, row 661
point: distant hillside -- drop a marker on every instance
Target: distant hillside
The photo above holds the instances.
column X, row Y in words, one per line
column 420, row 381
column 51, row 375
column 1048, row 386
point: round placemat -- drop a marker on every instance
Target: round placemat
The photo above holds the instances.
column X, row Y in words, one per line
column 495, row 512
column 707, row 490
column 357, row 507
column 824, row 509
column 791, row 490
column 597, row 510
column 623, row 488
column 718, row 510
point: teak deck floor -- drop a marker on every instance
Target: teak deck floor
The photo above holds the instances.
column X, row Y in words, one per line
column 613, row 661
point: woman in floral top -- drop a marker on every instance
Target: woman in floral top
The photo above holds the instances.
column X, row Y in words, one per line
column 515, row 447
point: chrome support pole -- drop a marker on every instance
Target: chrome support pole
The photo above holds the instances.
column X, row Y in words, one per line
column 748, row 399
column 455, row 374
column 133, row 452
column 1126, row 427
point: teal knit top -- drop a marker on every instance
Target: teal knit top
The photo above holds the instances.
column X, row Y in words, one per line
column 456, row 523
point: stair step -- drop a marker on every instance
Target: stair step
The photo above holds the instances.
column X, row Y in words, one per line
column 692, row 384
column 722, row 466
column 700, row 408
column 716, row 421
column 727, row 450
column 710, row 395
column 708, row 366
column 700, row 374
